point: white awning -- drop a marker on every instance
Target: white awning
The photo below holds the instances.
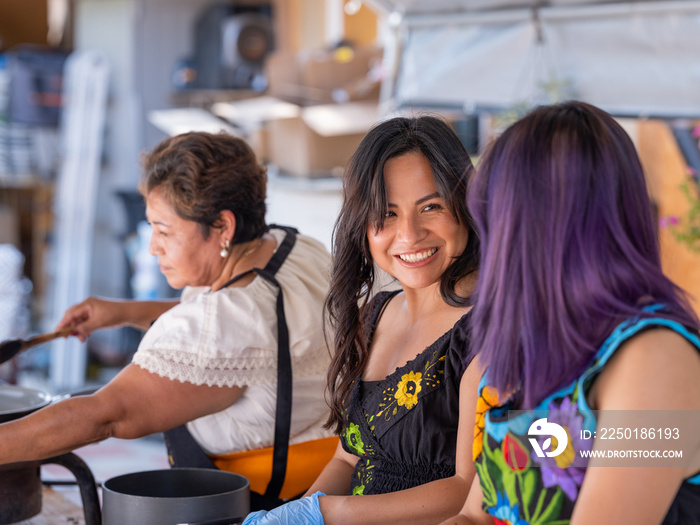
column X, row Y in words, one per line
column 630, row 58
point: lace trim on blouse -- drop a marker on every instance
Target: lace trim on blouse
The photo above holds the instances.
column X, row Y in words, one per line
column 223, row 371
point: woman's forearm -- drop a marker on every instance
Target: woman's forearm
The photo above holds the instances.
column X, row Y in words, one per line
column 427, row 503
column 56, row 429
column 95, row 313
column 334, row 480
column 135, row 403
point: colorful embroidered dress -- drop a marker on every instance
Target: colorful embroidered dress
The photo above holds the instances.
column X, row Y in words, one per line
column 521, row 488
column 404, row 427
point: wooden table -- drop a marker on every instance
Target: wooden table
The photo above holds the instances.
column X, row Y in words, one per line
column 56, row 509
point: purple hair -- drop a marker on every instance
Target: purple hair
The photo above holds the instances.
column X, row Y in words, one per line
column 569, row 248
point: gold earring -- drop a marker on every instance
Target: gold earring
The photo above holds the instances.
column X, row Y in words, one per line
column 224, row 249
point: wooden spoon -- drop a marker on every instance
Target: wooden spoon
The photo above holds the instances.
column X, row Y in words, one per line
column 9, row 349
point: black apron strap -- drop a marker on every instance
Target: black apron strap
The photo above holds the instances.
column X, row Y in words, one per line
column 184, row 451
column 283, row 414
column 182, row 448
column 277, row 259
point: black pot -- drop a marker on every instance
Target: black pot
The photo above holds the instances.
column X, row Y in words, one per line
column 174, row 496
column 20, row 483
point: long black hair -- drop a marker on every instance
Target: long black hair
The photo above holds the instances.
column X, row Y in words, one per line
column 364, row 204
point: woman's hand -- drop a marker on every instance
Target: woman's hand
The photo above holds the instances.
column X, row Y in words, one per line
column 304, row 511
column 92, row 314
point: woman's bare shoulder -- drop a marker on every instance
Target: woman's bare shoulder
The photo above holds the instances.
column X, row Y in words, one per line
column 657, row 369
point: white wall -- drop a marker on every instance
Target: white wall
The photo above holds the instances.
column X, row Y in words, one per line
column 311, row 206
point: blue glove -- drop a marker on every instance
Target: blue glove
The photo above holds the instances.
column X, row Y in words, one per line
column 304, row 511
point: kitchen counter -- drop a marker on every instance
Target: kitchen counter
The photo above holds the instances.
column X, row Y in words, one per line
column 56, row 509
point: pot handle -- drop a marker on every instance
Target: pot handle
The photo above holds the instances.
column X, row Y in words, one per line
column 86, row 483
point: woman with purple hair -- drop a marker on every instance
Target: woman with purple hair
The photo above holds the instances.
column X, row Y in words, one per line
column 589, row 351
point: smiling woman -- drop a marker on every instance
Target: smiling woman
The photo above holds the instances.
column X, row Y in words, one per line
column 239, row 360
column 396, row 376
column 419, row 238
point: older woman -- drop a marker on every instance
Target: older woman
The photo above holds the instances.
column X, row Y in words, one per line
column 250, row 309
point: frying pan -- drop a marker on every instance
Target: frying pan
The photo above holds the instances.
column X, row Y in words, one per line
column 16, row 401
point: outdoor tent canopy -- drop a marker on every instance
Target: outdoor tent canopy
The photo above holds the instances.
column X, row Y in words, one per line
column 631, row 58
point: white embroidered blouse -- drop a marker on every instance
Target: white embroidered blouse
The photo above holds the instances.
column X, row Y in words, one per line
column 229, row 338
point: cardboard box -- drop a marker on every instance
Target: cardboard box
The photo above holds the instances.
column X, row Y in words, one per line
column 313, row 141
column 315, row 77
column 320, row 139
column 251, row 117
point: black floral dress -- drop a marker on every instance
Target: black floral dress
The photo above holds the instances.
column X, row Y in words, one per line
column 404, row 427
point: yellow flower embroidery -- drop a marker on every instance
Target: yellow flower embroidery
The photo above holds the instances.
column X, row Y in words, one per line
column 487, row 399
column 407, row 390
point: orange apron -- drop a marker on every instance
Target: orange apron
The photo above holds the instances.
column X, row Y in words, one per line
column 305, row 461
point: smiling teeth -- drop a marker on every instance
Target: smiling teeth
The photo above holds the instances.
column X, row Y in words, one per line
column 416, row 257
